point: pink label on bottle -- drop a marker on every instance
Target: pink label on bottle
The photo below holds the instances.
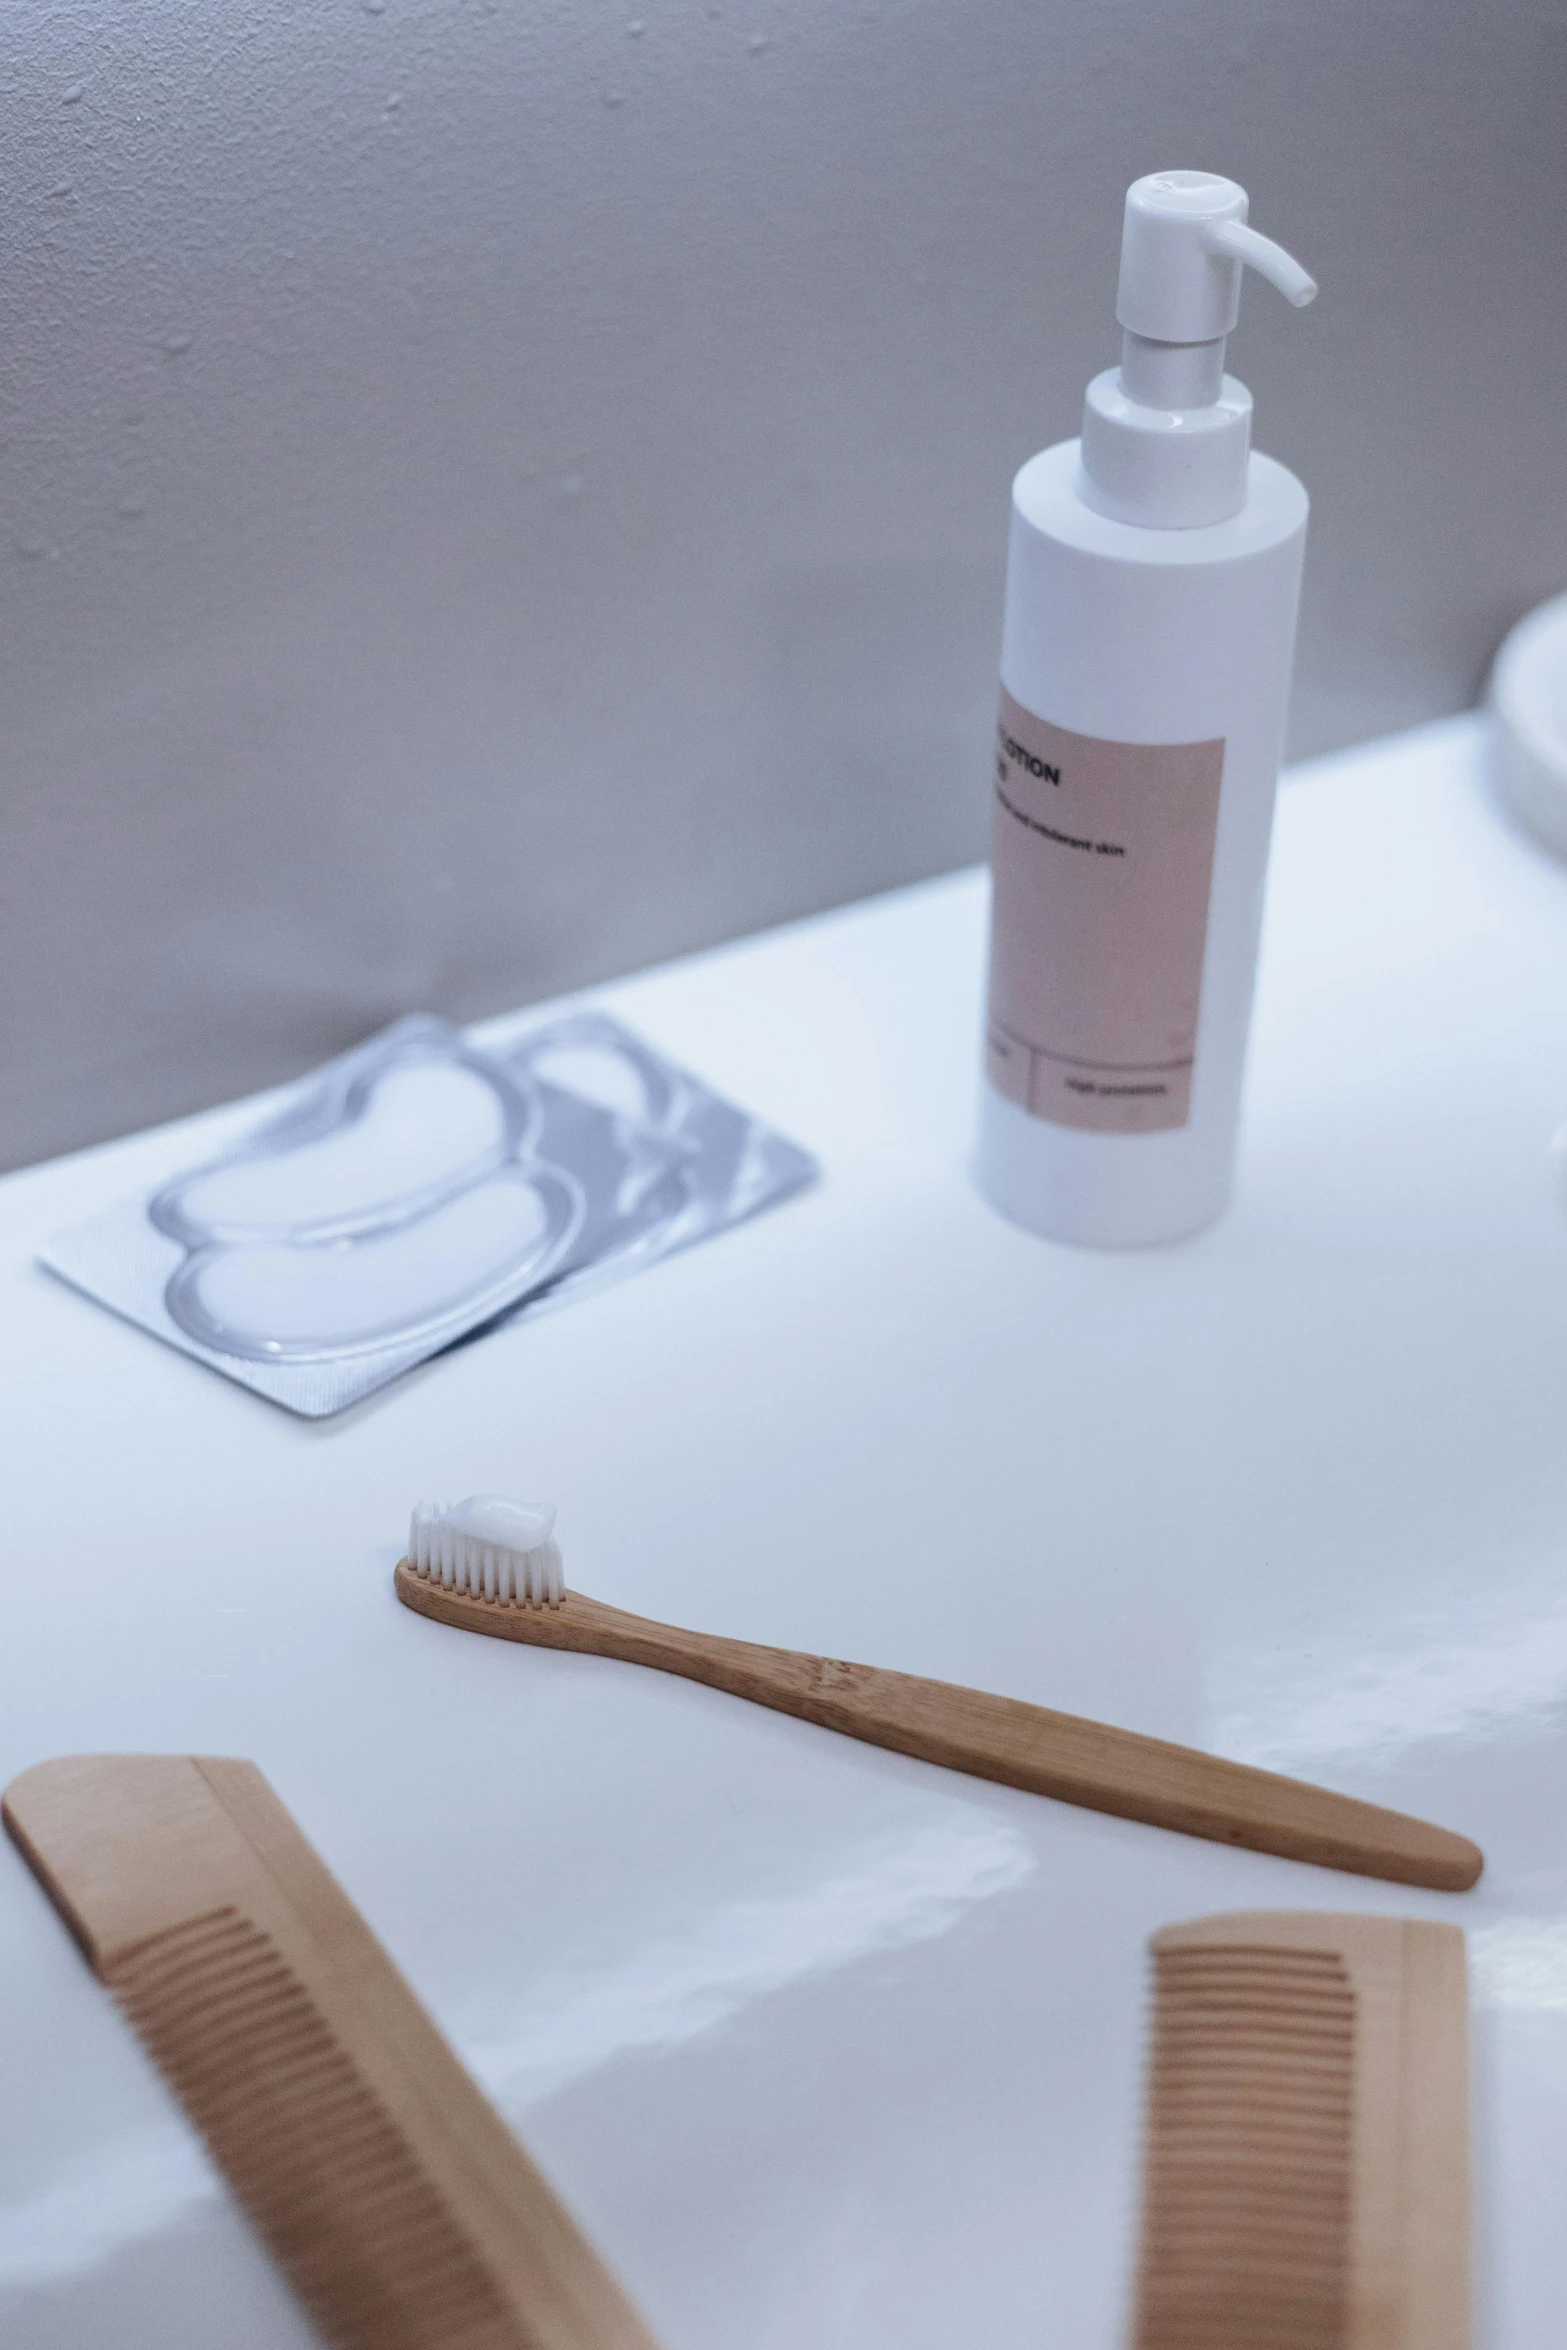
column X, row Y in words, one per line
column 1102, row 863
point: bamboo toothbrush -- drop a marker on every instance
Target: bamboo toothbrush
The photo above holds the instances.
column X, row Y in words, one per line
column 404, row 2213
column 1307, row 2140
column 490, row 1565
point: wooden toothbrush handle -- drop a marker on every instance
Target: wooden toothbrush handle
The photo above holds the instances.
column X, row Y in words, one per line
column 1002, row 1738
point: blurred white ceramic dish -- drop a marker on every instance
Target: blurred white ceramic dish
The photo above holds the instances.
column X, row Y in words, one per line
column 1529, row 696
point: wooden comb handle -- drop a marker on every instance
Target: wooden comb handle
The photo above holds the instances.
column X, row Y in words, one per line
column 1001, row 1738
column 403, row 2211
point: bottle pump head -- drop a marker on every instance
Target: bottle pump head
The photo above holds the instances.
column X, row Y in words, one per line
column 1167, row 434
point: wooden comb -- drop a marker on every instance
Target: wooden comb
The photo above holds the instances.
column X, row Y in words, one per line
column 1307, row 2172
column 403, row 2211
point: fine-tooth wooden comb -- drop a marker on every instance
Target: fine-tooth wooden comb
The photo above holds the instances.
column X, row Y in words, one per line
column 1307, row 2157
column 491, row 1566
column 401, row 2208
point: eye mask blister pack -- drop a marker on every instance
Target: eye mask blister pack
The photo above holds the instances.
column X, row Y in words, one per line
column 420, row 1191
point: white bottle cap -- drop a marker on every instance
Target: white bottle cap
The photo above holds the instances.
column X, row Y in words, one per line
column 1166, row 436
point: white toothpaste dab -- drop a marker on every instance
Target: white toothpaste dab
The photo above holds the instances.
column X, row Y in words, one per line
column 489, row 1546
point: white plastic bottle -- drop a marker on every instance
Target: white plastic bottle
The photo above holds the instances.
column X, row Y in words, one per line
column 1152, row 586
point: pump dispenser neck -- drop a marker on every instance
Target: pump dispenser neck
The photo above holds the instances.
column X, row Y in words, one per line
column 1167, row 434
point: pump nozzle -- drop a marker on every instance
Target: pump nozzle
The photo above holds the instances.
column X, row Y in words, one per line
column 1281, row 269
column 1181, row 252
column 1166, row 435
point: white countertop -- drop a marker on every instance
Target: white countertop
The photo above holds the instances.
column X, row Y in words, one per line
column 826, row 2046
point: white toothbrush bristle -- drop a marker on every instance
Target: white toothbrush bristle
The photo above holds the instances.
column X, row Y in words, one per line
column 498, row 1550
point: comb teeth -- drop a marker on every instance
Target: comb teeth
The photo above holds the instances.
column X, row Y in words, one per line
column 257, row 2066
column 401, row 2209
column 1247, row 2195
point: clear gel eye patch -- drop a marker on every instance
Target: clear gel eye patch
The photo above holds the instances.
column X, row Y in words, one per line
column 428, row 1126
column 285, row 1301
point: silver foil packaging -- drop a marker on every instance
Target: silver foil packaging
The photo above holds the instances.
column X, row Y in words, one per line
column 421, row 1190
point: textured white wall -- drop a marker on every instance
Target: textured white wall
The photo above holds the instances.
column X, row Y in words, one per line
column 498, row 490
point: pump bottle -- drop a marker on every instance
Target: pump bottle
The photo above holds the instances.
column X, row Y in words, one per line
column 1153, row 578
